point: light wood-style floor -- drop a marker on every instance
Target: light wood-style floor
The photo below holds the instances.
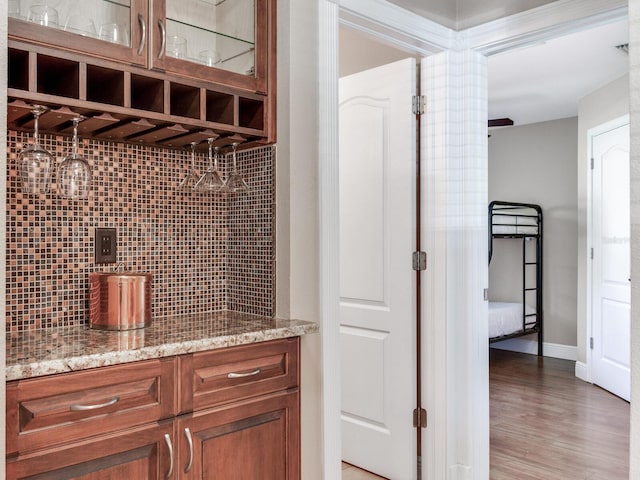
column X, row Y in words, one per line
column 548, row 425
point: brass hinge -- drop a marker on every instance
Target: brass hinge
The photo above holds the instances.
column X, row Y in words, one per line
column 419, row 104
column 420, row 418
column 419, row 261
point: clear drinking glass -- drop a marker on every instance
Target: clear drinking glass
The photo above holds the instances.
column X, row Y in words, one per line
column 210, row 180
column 114, row 33
column 13, row 9
column 43, row 15
column 209, row 58
column 35, row 162
column 81, row 25
column 74, row 172
column 190, row 180
column 235, row 182
column 176, row 46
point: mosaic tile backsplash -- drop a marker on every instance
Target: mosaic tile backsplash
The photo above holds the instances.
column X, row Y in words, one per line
column 207, row 252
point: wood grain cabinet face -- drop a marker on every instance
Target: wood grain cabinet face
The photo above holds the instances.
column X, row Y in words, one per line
column 54, row 410
column 224, row 414
column 222, row 376
column 141, row 454
column 251, row 440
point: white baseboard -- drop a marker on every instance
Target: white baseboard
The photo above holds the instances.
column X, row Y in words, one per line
column 554, row 350
column 582, row 372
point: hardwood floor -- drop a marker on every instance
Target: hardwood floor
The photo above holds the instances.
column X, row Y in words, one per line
column 548, row 425
column 349, row 472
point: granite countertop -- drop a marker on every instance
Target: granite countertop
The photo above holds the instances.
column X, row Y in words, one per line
column 67, row 349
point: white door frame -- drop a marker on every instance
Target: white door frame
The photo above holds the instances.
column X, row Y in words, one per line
column 591, row 133
column 390, row 22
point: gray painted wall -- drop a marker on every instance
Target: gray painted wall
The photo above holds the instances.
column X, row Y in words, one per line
column 536, row 164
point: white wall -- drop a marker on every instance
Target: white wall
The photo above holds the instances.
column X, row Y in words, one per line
column 297, row 229
column 535, row 163
column 605, row 104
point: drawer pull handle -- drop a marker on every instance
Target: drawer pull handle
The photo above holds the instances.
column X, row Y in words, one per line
column 187, row 433
column 143, row 37
column 243, row 375
column 82, row 408
column 167, row 439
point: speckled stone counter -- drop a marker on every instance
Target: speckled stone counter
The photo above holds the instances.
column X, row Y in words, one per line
column 45, row 352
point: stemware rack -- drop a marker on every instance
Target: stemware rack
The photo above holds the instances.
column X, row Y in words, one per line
column 123, row 103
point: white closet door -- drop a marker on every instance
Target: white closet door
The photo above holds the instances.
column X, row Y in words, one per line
column 611, row 292
column 377, row 283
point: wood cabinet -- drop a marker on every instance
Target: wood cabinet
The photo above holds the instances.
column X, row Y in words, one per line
column 230, row 413
column 221, row 82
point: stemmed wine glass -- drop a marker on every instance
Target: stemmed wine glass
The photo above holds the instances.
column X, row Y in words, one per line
column 210, row 180
column 189, row 182
column 35, row 161
column 235, row 182
column 74, row 172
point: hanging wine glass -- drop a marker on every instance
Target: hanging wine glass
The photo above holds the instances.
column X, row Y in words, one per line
column 35, row 161
column 210, row 180
column 74, row 172
column 235, row 182
column 190, row 180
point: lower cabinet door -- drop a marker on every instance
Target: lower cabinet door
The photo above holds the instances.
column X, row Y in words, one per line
column 251, row 440
column 140, row 453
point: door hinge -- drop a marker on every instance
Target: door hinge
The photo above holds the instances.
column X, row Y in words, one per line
column 592, row 163
column 591, row 343
column 419, row 104
column 419, row 261
column 420, row 418
column 591, row 253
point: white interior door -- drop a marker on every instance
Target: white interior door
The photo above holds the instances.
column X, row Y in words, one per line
column 611, row 292
column 377, row 283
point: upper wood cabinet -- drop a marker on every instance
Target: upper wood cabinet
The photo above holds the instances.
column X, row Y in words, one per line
column 228, row 42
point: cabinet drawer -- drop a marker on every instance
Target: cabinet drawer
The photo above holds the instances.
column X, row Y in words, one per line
column 43, row 412
column 217, row 377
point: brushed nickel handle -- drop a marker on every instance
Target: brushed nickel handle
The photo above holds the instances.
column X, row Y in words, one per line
column 143, row 38
column 242, row 375
column 167, row 439
column 187, row 433
column 163, row 43
column 82, row 408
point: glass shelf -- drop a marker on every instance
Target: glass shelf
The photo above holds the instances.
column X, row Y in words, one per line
column 217, row 33
column 108, row 20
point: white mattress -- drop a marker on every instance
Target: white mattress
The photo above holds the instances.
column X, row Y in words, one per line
column 506, row 318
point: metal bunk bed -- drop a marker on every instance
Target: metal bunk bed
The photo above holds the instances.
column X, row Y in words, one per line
column 521, row 221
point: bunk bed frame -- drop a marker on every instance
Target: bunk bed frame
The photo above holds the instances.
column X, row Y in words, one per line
column 521, row 221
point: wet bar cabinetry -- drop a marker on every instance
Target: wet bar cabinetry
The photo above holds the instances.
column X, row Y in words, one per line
column 227, row 413
column 164, row 72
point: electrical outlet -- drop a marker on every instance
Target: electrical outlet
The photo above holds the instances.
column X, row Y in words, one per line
column 105, row 245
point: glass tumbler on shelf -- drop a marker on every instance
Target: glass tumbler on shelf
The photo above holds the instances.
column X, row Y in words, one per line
column 176, row 46
column 114, row 33
column 43, row 15
column 13, row 8
column 235, row 182
column 81, row 25
column 210, row 58
column 74, row 173
column 35, row 162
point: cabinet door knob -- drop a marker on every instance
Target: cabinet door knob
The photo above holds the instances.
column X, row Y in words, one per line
column 187, row 433
column 167, row 439
column 242, row 375
column 163, row 38
column 81, row 408
column 143, row 37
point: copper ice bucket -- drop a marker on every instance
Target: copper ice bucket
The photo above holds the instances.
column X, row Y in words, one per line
column 120, row 300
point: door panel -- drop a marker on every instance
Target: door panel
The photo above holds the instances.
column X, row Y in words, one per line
column 377, row 283
column 611, row 264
